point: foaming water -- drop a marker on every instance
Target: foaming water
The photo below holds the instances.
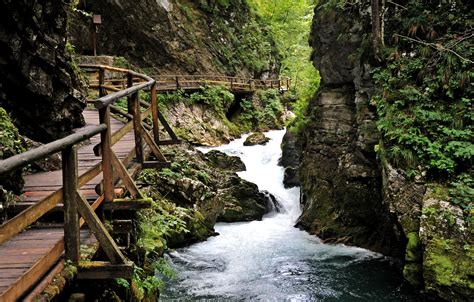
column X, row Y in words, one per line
column 270, row 260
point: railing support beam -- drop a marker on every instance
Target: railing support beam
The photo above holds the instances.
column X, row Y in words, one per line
column 71, row 217
column 106, row 149
column 154, row 112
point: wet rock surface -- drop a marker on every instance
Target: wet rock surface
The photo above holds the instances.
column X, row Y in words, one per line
column 446, row 240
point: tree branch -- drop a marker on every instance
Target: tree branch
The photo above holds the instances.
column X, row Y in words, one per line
column 436, row 46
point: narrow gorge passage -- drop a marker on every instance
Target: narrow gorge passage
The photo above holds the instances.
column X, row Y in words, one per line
column 272, row 260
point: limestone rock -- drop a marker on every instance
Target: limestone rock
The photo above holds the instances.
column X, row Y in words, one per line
column 290, row 156
column 38, row 84
column 242, row 202
column 208, row 183
column 340, row 175
column 256, row 138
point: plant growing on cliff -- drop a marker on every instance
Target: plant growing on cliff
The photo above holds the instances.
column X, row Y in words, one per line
column 217, row 97
column 425, row 105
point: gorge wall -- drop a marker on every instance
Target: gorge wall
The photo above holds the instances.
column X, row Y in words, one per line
column 351, row 191
column 341, row 180
column 180, row 36
column 38, row 85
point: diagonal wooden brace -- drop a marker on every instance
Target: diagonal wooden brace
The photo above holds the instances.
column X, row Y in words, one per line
column 153, row 147
column 105, row 240
column 120, row 169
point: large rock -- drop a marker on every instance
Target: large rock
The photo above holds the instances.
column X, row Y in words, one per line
column 290, row 159
column 38, row 83
column 209, row 184
column 256, row 138
column 404, row 200
column 242, row 201
column 291, row 177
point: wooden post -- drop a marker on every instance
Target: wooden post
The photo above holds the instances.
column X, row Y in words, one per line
column 137, row 120
column 101, row 81
column 71, row 217
column 106, row 149
column 177, row 82
column 231, row 84
column 154, row 112
column 129, row 98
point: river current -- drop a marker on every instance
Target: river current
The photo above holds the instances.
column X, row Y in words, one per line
column 271, row 260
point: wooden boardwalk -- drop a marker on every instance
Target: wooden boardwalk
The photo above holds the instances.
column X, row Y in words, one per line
column 40, row 185
column 114, row 153
column 28, row 256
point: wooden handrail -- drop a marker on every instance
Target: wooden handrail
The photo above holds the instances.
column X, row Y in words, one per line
column 113, row 97
column 25, row 158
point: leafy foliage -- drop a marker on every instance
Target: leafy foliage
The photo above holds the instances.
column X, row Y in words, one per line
column 10, row 140
column 247, row 45
column 425, row 106
column 262, row 112
column 290, row 23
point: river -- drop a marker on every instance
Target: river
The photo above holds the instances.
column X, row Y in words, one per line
column 270, row 260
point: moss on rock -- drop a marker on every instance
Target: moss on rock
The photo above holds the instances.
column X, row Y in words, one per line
column 448, row 256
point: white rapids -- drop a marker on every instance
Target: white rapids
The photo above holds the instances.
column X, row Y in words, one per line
column 271, row 260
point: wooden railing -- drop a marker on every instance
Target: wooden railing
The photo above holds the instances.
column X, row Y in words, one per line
column 236, row 84
column 113, row 170
column 166, row 83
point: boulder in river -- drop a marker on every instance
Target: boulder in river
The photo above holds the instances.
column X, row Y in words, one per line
column 242, row 201
column 256, row 138
column 223, row 161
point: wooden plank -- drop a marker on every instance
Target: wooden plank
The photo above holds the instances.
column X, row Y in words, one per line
column 167, row 127
column 130, row 205
column 104, row 270
column 155, row 165
column 168, row 142
column 22, row 159
column 135, row 107
column 27, row 217
column 106, row 242
column 154, row 113
column 21, row 285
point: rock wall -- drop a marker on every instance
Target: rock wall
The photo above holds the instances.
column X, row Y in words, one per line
column 38, row 86
column 341, row 179
column 351, row 195
column 180, row 36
